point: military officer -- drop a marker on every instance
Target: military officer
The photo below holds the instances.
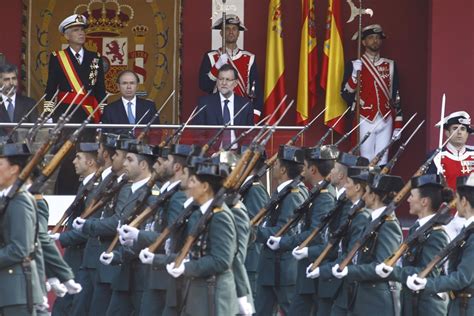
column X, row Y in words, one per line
column 21, row 287
column 426, row 196
column 373, row 295
column 277, row 269
column 460, row 278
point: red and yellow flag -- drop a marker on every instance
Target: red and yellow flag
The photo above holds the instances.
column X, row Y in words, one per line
column 275, row 64
column 308, row 68
column 333, row 67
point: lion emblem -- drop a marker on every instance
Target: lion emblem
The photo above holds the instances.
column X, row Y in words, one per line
column 115, row 51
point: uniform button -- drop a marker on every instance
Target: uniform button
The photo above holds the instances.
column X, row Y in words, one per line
column 72, row 90
column 373, row 285
column 10, row 271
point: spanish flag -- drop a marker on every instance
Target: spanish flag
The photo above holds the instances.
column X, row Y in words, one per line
column 308, row 68
column 275, row 64
column 333, row 66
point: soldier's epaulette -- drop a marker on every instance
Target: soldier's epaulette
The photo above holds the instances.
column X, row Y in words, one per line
column 295, row 190
column 390, row 218
column 217, row 209
column 38, row 197
column 54, row 53
column 155, row 192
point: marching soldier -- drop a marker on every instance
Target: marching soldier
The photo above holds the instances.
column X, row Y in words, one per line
column 72, row 240
column 426, row 196
column 128, row 285
column 318, row 163
column 277, row 269
column 460, row 278
column 378, row 92
column 243, row 61
column 211, row 288
column 371, row 294
column 21, row 287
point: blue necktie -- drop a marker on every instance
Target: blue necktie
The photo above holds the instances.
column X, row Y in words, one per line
column 131, row 118
column 226, row 115
column 10, row 109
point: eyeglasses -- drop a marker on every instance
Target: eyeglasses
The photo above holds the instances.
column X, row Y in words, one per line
column 225, row 80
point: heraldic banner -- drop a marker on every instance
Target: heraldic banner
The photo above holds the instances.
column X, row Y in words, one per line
column 139, row 35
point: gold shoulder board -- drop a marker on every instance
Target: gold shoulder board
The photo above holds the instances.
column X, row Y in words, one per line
column 217, row 209
column 295, row 190
column 155, row 192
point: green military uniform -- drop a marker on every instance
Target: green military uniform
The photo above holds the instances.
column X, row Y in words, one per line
column 17, row 238
column 460, row 280
column 155, row 300
column 277, row 270
column 254, row 199
column 209, row 277
column 373, row 295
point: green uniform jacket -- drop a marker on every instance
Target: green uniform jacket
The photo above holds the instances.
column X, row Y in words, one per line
column 460, row 277
column 279, row 267
column 217, row 259
column 373, row 294
column 17, row 238
column 414, row 261
column 321, row 205
column 254, row 199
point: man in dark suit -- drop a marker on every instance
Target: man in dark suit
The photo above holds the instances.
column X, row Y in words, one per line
column 222, row 106
column 129, row 109
column 15, row 106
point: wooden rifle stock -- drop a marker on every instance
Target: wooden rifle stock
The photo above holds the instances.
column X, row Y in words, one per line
column 104, row 197
column 322, row 256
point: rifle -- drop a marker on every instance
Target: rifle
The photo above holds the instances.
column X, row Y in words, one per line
column 242, row 135
column 377, row 223
column 139, row 204
column 323, row 139
column 441, row 217
column 83, row 193
column 458, row 242
column 145, row 131
column 25, row 117
column 104, row 197
column 355, row 150
column 179, row 131
column 63, row 151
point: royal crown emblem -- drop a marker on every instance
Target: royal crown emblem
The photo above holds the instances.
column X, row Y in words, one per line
column 105, row 17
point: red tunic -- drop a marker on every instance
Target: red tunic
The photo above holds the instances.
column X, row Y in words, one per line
column 453, row 163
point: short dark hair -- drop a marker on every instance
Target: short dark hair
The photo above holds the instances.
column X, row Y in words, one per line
column 8, row 68
column 436, row 194
column 20, row 161
column 324, row 166
column 214, row 182
column 468, row 193
column 293, row 169
column 150, row 161
column 123, row 72
column 227, row 67
column 180, row 160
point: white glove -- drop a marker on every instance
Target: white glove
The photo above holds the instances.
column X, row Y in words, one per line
column 300, row 253
column 175, row 272
column 128, row 235
column 72, row 286
column 312, row 274
column 245, row 308
column 78, row 223
column 339, row 274
column 396, row 133
column 356, row 66
column 48, row 286
column 415, row 283
column 273, row 242
column 43, row 307
column 383, row 270
column 146, row 257
column 223, row 59
column 54, row 236
column 59, row 289
column 106, row 258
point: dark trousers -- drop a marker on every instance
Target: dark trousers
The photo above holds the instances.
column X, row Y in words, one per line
column 153, row 302
column 269, row 297
column 303, row 305
column 16, row 310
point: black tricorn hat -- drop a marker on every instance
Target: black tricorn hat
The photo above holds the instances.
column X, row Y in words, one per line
column 14, row 149
column 219, row 170
column 124, row 143
column 426, row 180
column 87, row 147
column 325, row 152
column 109, row 140
column 362, row 174
column 141, row 149
column 291, row 153
column 465, row 181
column 181, row 149
column 385, row 183
column 350, row 160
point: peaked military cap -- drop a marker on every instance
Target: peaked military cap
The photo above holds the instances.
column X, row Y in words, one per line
column 14, row 149
column 369, row 30
column 459, row 117
column 230, row 19
column 385, row 182
column 350, row 160
column 465, row 181
column 72, row 20
column 87, row 147
column 425, row 180
column 219, row 170
column 141, row 149
column 325, row 152
column 291, row 153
